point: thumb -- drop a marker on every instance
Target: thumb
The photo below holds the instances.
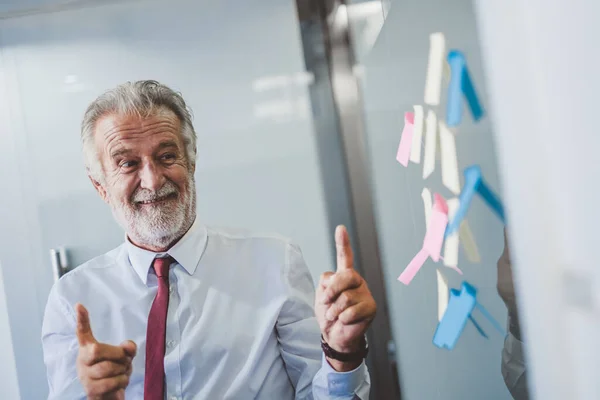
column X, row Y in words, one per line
column 130, row 348
column 345, row 258
column 84, row 330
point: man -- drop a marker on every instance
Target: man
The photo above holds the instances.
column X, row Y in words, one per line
column 199, row 313
column 513, row 357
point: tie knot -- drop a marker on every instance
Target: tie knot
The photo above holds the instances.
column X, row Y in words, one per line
column 161, row 266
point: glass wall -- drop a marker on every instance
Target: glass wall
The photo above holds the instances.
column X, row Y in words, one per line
column 391, row 46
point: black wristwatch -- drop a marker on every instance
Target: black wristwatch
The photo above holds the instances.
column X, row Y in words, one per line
column 346, row 357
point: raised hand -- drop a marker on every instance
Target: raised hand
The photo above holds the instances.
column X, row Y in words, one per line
column 103, row 370
column 344, row 305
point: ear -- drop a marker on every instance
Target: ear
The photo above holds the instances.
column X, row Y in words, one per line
column 100, row 189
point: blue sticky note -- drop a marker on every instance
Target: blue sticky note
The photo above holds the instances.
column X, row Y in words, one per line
column 455, row 318
column 489, row 317
column 454, row 100
column 460, row 84
column 491, row 199
column 472, row 180
column 474, row 183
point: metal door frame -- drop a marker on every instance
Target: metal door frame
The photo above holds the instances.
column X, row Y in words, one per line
column 341, row 147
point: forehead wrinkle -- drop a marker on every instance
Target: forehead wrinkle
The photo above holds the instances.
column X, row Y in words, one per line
column 117, row 132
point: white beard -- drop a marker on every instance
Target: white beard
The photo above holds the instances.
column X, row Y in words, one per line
column 157, row 225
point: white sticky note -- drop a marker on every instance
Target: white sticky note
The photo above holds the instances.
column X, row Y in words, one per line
column 468, row 242
column 417, row 139
column 443, row 293
column 452, row 241
column 427, row 204
column 430, row 144
column 435, row 68
column 450, row 174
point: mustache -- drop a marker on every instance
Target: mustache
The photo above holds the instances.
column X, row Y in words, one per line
column 167, row 189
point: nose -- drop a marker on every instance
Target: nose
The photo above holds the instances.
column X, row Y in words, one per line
column 151, row 176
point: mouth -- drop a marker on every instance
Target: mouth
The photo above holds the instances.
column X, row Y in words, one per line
column 158, row 200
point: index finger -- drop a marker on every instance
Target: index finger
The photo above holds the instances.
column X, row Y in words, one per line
column 345, row 257
column 83, row 330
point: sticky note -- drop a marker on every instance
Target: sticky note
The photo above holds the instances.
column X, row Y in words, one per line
column 430, row 144
column 460, row 306
column 404, row 147
column 468, row 242
column 490, row 198
column 427, row 204
column 460, row 84
column 415, row 148
column 474, row 183
column 489, row 317
column 435, row 68
column 458, row 312
column 450, row 174
column 452, row 241
column 442, row 285
column 434, row 237
column 413, row 267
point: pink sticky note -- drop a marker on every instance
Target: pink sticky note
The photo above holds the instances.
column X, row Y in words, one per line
column 413, row 267
column 406, row 139
column 434, row 238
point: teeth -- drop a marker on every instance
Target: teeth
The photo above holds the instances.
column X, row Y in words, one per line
column 152, row 201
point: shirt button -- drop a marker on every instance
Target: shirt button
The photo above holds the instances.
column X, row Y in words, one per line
column 171, row 289
column 171, row 344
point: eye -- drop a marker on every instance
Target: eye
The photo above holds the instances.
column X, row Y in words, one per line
column 168, row 157
column 128, row 164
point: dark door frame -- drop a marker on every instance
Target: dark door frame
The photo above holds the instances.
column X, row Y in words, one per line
column 340, row 136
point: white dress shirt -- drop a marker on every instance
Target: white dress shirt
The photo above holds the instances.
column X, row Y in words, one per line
column 240, row 324
column 514, row 370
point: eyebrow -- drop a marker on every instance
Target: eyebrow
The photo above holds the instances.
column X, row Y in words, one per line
column 167, row 143
column 162, row 145
column 119, row 152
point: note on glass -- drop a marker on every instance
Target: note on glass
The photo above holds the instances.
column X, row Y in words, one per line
column 472, row 178
column 427, row 204
column 434, row 237
column 406, row 140
column 460, row 83
column 450, row 174
column 413, row 267
column 468, row 242
column 442, row 285
column 460, row 307
column 452, row 242
column 454, row 106
column 415, row 148
column 430, row 144
column 435, row 68
column 474, row 184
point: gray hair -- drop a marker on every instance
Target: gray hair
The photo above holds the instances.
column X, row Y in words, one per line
column 142, row 98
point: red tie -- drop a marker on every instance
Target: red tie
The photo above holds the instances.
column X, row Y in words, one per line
column 154, row 380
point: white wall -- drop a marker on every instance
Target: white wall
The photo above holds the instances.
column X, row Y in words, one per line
column 544, row 85
column 238, row 64
column 394, row 62
column 8, row 367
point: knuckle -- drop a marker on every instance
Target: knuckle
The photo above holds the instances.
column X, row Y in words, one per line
column 344, row 300
column 94, row 350
column 329, row 292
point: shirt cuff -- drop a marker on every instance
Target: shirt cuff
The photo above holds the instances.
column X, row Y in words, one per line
column 342, row 383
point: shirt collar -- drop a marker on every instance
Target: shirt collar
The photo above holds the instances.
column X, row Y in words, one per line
column 187, row 252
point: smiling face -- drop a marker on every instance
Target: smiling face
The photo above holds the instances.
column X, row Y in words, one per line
column 147, row 179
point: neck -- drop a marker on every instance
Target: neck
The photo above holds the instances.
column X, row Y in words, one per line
column 164, row 245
